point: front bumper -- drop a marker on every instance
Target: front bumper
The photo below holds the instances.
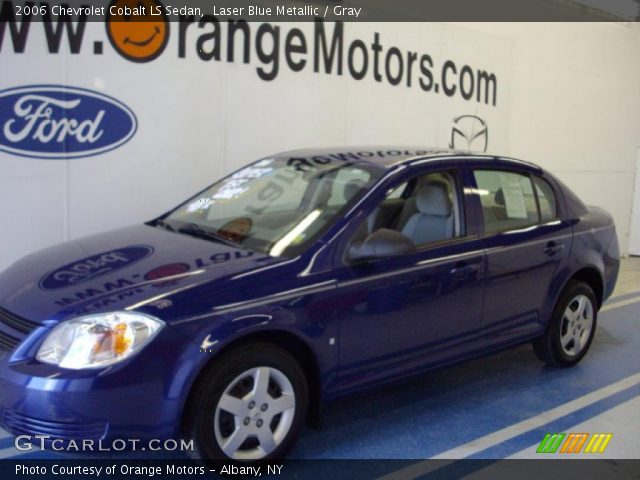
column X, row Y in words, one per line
column 141, row 398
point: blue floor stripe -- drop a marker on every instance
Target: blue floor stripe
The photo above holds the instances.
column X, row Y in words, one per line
column 41, row 455
column 6, row 443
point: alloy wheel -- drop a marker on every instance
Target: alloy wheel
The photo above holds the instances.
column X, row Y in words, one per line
column 577, row 322
column 254, row 413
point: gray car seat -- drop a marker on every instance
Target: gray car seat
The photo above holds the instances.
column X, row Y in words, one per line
column 434, row 219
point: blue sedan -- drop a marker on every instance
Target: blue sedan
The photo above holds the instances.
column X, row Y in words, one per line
column 302, row 277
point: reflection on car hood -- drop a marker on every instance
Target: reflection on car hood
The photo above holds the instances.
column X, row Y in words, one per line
column 126, row 268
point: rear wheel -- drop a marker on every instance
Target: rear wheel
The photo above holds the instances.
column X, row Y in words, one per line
column 249, row 405
column 571, row 328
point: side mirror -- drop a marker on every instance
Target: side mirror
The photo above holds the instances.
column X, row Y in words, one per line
column 382, row 243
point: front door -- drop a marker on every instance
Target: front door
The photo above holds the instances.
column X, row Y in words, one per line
column 399, row 315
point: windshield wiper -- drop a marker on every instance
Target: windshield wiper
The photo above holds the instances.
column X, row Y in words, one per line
column 162, row 223
column 197, row 231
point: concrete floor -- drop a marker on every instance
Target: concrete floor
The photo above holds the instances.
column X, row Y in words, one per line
column 496, row 407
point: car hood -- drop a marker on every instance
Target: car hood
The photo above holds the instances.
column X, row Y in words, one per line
column 120, row 269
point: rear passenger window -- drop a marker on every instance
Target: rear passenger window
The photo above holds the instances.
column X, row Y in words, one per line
column 546, row 199
column 507, row 199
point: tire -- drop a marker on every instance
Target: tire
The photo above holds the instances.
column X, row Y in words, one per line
column 240, row 395
column 571, row 328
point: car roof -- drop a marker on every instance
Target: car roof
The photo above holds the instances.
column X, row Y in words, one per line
column 389, row 156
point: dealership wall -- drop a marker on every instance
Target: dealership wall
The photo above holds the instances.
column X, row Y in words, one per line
column 567, row 98
column 575, row 107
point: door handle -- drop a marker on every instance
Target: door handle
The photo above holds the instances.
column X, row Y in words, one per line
column 463, row 270
column 552, row 248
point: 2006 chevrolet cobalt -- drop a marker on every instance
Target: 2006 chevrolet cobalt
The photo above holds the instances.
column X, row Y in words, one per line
column 299, row 278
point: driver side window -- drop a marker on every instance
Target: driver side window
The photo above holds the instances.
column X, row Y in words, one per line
column 424, row 209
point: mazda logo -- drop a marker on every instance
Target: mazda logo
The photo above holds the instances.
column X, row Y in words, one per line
column 469, row 132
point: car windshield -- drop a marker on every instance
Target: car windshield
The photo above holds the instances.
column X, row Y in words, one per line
column 276, row 206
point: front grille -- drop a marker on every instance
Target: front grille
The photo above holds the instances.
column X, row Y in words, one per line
column 7, row 342
column 10, row 341
column 17, row 323
column 19, row 424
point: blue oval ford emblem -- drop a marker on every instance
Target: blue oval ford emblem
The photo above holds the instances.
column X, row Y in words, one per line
column 94, row 266
column 59, row 122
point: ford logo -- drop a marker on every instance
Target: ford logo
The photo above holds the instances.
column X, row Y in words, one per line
column 58, row 122
column 94, row 266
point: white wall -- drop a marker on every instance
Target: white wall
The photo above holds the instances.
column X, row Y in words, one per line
column 634, row 236
column 575, row 106
column 568, row 99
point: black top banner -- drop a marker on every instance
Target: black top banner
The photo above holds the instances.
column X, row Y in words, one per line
column 328, row 10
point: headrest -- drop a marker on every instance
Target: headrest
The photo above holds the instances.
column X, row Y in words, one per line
column 352, row 188
column 432, row 199
column 499, row 197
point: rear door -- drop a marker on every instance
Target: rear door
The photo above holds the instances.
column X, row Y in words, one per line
column 526, row 241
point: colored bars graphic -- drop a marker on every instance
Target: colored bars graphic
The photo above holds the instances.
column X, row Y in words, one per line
column 574, row 443
column 598, row 443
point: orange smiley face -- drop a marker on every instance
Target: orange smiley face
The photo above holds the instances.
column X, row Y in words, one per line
column 137, row 29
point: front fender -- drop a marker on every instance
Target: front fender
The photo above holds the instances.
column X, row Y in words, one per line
column 310, row 321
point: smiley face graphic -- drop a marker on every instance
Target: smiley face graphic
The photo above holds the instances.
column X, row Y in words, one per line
column 137, row 29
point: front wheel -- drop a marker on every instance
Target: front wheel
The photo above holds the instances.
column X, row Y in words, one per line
column 249, row 405
column 571, row 328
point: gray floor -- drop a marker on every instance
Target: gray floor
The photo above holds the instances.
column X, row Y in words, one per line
column 629, row 279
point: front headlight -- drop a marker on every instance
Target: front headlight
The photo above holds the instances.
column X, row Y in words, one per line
column 98, row 340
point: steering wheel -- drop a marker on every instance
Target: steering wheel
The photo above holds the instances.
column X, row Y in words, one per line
column 237, row 229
